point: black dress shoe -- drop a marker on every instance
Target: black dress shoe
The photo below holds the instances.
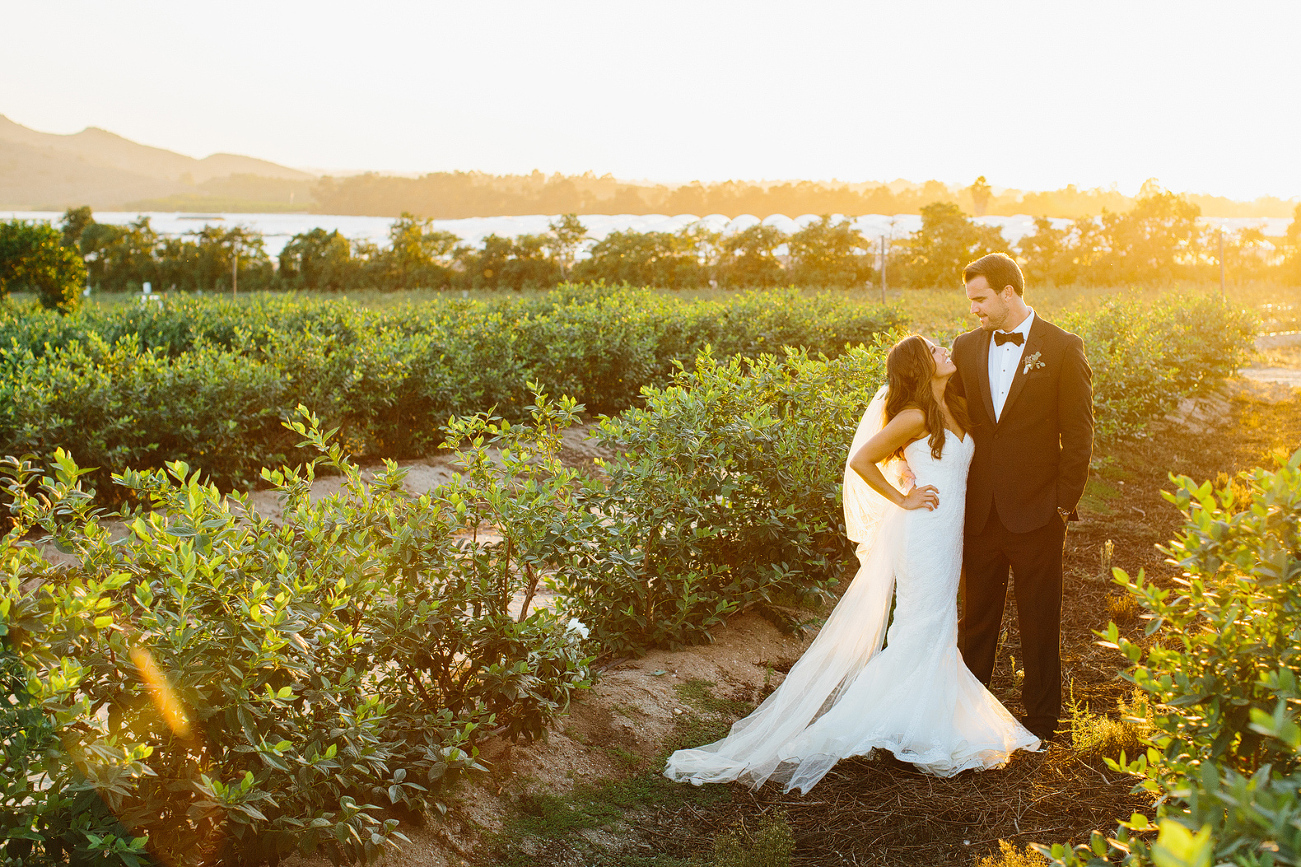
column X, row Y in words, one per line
column 1046, row 736
column 1047, row 732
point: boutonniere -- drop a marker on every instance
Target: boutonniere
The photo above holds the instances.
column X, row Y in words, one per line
column 1032, row 362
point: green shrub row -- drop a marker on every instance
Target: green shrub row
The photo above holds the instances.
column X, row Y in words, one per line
column 1219, row 669
column 209, row 382
column 234, row 689
column 726, row 489
column 218, row 688
column 728, row 478
column 1147, row 357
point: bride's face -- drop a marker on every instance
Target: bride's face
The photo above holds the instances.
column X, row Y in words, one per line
column 944, row 366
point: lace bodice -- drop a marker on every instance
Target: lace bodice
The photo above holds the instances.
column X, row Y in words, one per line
column 949, row 469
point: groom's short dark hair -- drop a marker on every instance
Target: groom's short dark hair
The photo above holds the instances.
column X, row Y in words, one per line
column 999, row 270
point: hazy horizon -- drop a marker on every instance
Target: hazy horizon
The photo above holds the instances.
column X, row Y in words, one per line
column 896, row 183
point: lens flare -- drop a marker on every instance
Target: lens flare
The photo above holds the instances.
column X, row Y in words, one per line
column 164, row 697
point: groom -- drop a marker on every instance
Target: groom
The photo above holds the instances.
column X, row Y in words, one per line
column 1029, row 394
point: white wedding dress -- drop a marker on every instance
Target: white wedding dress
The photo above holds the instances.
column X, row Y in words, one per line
column 846, row 696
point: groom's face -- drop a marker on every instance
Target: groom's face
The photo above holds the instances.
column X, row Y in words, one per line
column 990, row 307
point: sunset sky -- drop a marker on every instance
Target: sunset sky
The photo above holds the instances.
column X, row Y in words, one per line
column 1204, row 96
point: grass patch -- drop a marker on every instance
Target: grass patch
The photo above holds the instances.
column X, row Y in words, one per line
column 1010, row 856
column 627, row 712
column 1123, row 610
column 545, row 825
column 1112, row 470
column 695, row 692
column 1099, row 495
column 592, row 859
column 546, row 815
column 690, row 730
column 1105, row 486
column 770, row 844
column 543, row 820
column 1095, row 736
column 628, row 761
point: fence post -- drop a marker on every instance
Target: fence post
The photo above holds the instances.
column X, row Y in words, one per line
column 883, row 269
column 1222, row 296
column 234, row 269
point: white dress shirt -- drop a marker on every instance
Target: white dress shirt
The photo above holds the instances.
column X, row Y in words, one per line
column 1003, row 361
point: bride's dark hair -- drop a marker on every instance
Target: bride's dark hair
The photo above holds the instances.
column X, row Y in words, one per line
column 908, row 371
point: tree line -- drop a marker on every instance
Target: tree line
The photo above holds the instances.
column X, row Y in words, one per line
column 1158, row 240
column 455, row 195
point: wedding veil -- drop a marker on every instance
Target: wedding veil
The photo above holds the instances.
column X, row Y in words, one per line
column 753, row 751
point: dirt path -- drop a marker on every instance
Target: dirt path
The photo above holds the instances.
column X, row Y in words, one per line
column 1278, row 360
column 590, row 793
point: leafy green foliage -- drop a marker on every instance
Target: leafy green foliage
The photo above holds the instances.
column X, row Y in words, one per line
column 566, row 235
column 418, row 254
column 947, row 240
column 749, row 257
column 826, row 253
column 208, row 381
column 317, row 260
column 1221, row 680
column 1157, row 240
column 216, row 259
column 34, row 258
column 1145, row 358
column 725, row 493
column 120, row 258
column 225, row 689
column 118, row 407
column 1292, row 246
column 216, row 687
column 523, row 262
column 644, row 259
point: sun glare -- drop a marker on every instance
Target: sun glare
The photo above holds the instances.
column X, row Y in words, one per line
column 165, row 700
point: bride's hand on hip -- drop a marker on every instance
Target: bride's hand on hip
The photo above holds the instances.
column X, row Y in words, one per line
column 926, row 497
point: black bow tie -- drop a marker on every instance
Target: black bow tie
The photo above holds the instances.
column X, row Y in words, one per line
column 1001, row 337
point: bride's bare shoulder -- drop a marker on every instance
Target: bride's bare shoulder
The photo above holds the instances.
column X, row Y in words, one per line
column 911, row 419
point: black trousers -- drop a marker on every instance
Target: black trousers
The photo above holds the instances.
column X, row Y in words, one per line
column 1035, row 561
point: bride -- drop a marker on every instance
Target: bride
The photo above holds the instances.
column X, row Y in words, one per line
column 846, row 696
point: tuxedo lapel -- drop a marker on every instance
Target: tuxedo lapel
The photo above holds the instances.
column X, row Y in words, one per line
column 982, row 374
column 1033, row 344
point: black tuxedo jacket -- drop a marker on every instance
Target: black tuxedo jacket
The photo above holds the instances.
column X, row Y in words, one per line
column 1035, row 458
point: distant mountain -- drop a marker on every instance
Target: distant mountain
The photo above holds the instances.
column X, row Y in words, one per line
column 95, row 167
column 42, row 171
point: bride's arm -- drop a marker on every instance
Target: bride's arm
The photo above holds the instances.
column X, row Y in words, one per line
column 907, row 426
